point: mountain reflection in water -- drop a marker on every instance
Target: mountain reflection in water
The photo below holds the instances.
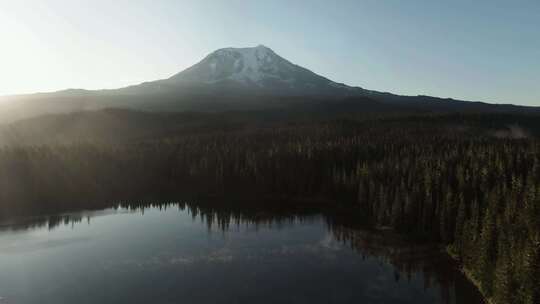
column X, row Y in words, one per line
column 183, row 252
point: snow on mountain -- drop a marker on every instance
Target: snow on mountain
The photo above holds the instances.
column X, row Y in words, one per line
column 257, row 68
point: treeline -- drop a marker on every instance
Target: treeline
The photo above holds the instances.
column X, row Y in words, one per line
column 449, row 181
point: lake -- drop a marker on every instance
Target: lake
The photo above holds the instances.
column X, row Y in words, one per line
column 179, row 254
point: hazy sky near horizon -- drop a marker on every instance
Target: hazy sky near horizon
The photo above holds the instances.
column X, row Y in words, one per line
column 485, row 50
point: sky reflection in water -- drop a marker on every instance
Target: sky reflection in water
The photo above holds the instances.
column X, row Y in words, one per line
column 183, row 255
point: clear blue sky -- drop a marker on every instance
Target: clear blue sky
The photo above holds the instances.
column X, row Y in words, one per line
column 476, row 49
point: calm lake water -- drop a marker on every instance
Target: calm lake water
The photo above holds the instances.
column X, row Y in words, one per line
column 180, row 255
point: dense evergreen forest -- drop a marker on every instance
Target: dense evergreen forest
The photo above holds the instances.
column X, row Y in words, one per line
column 470, row 182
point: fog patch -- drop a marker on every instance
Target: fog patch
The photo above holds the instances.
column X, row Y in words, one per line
column 512, row 132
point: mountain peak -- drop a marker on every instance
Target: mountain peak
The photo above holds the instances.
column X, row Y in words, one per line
column 260, row 46
column 256, row 68
column 248, row 59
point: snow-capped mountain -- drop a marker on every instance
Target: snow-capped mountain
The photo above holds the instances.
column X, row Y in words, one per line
column 256, row 69
column 233, row 79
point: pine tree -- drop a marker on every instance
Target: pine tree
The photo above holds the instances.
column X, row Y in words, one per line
column 531, row 282
column 460, row 226
column 504, row 289
column 488, row 253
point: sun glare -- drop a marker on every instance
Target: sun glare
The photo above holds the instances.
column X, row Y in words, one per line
column 25, row 58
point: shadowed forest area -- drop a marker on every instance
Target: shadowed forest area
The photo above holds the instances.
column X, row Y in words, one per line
column 468, row 181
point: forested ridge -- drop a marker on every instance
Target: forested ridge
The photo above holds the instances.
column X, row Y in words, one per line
column 470, row 182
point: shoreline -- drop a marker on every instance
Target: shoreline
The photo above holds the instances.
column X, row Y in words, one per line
column 469, row 276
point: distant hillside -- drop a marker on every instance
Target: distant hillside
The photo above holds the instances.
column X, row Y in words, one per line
column 121, row 126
